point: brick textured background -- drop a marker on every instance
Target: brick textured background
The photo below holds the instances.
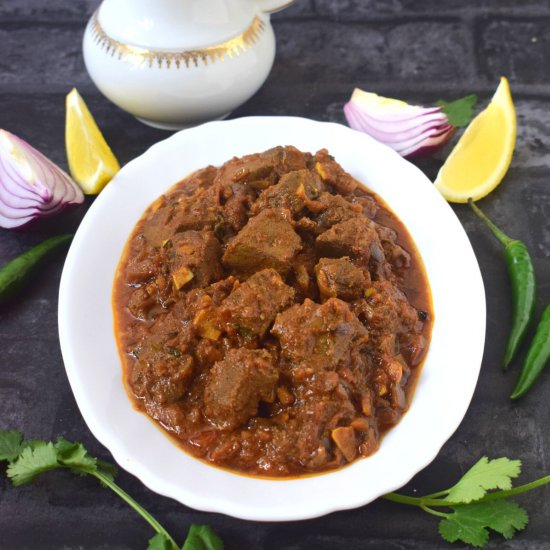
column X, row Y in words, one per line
column 417, row 50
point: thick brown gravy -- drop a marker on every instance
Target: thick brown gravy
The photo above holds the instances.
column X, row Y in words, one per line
column 272, row 314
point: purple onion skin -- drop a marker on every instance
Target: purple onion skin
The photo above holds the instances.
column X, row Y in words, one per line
column 32, row 187
column 41, row 222
column 428, row 150
column 358, row 120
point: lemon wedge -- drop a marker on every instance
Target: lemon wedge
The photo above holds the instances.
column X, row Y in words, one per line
column 483, row 153
column 91, row 161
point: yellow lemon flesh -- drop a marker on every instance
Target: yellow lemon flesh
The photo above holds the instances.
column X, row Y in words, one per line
column 91, row 161
column 483, row 153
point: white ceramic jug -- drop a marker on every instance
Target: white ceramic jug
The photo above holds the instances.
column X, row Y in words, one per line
column 176, row 63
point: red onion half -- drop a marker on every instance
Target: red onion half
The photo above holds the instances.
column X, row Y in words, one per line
column 31, row 185
column 410, row 130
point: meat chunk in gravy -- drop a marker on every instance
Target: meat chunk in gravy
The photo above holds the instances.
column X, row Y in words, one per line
column 293, row 192
column 268, row 240
column 357, row 239
column 164, row 379
column 320, row 335
column 236, row 385
column 268, row 313
column 333, row 173
column 339, row 278
column 263, row 169
column 194, row 257
column 251, row 308
column 335, row 209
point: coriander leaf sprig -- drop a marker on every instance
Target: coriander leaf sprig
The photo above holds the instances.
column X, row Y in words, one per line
column 474, row 509
column 460, row 111
column 27, row 459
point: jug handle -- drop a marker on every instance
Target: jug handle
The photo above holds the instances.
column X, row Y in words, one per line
column 272, row 6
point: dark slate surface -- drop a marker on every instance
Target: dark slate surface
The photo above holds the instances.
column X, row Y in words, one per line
column 418, row 50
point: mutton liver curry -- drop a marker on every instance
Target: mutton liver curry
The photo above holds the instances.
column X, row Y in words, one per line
column 272, row 314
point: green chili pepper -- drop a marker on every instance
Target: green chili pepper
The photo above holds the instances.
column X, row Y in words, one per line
column 537, row 357
column 522, row 279
column 14, row 273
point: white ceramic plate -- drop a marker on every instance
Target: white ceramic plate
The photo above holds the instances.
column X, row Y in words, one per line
column 89, row 350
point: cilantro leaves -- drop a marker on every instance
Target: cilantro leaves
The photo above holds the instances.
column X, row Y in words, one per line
column 201, row 537
column 470, row 523
column 27, row 459
column 10, row 445
column 473, row 509
column 477, row 503
column 459, row 112
column 159, row 542
column 31, row 462
column 485, row 475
